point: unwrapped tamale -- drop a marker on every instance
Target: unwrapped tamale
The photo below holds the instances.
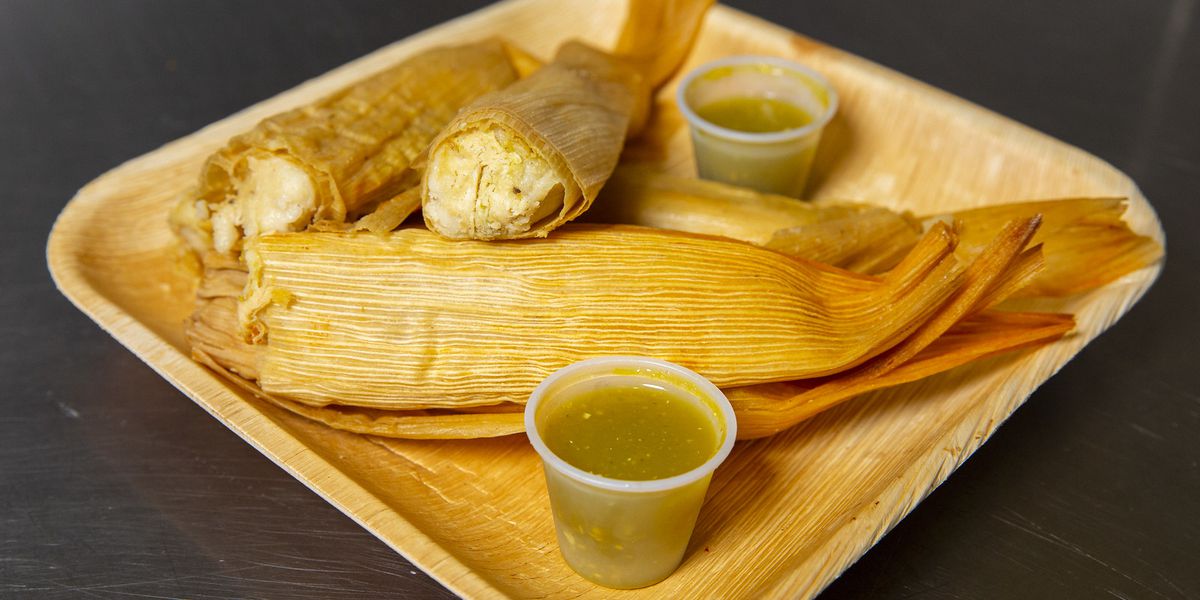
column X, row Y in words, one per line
column 326, row 161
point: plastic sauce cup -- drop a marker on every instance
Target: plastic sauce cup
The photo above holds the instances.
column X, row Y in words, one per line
column 621, row 533
column 776, row 162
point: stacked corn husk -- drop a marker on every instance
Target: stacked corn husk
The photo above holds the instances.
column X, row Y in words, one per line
column 789, row 307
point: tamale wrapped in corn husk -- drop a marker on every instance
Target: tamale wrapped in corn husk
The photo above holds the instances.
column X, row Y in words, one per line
column 761, row 410
column 857, row 237
column 951, row 337
column 1087, row 242
column 416, row 321
column 521, row 162
column 347, row 152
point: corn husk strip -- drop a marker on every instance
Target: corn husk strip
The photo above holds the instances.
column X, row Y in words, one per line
column 415, row 321
column 870, row 242
column 1086, row 256
column 658, row 35
column 212, row 329
column 770, row 408
column 982, row 279
column 521, row 162
column 208, row 333
column 1086, row 243
column 391, row 213
column 355, row 145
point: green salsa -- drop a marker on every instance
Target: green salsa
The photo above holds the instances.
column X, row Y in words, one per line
column 632, row 432
column 754, row 114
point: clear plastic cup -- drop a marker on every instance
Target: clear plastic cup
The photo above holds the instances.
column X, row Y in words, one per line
column 777, row 162
column 621, row 533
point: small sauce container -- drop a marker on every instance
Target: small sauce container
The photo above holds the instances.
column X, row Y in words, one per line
column 775, row 161
column 621, row 532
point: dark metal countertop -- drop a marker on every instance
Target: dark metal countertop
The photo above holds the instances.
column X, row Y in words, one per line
column 113, row 484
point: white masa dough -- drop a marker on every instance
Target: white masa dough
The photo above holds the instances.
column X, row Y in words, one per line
column 489, row 184
column 275, row 196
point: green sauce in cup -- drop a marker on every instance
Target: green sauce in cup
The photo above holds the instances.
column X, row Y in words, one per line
column 639, row 431
column 755, row 121
column 628, row 446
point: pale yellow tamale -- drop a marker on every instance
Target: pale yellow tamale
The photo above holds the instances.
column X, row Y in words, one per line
column 412, row 320
column 327, row 160
column 1087, row 242
column 854, row 236
column 523, row 161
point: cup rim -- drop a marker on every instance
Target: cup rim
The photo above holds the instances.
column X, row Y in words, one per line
column 697, row 121
column 625, row 485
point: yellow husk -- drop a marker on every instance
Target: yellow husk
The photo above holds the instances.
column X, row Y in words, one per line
column 1087, row 244
column 414, row 321
column 767, row 409
column 857, row 237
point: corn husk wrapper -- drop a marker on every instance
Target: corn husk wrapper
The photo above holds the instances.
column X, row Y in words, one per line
column 521, row 162
column 856, row 237
column 355, row 146
column 766, row 409
column 1087, row 243
column 415, row 321
column 761, row 409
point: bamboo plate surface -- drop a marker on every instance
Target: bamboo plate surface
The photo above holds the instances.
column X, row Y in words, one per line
column 785, row 515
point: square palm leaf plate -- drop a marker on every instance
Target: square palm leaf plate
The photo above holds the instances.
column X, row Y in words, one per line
column 786, row 514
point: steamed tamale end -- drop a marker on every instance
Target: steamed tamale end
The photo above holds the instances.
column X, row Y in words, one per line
column 523, row 162
column 489, row 183
column 324, row 161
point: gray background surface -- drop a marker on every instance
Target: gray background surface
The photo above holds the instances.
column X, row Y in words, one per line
column 113, row 484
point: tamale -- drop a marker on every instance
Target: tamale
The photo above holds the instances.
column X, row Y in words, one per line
column 415, row 321
column 1087, row 242
column 521, row 162
column 326, row 161
column 857, row 237
column 762, row 409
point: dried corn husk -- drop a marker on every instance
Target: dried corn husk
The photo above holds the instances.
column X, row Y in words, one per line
column 521, row 162
column 353, row 149
column 415, row 321
column 1087, row 244
column 767, row 409
column 857, row 237
column 761, row 409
